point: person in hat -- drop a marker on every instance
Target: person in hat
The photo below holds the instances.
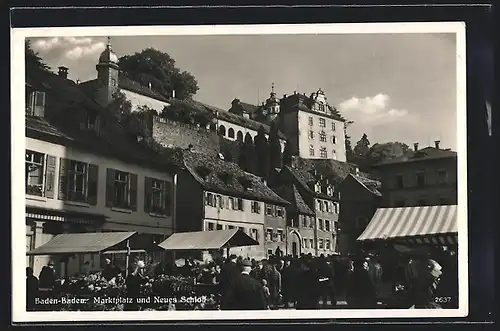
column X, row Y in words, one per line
column 228, row 273
column 244, row 292
column 47, row 277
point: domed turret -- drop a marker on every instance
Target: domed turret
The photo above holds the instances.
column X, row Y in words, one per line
column 108, row 56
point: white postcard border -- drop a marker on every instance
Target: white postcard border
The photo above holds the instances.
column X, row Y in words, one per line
column 19, row 313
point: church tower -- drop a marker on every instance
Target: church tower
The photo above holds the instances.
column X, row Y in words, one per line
column 272, row 105
column 107, row 75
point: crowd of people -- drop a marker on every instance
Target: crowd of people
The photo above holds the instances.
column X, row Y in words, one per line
column 305, row 282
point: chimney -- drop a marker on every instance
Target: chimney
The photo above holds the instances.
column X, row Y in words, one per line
column 63, row 72
column 173, row 94
column 294, row 92
column 78, row 82
column 436, row 143
column 415, row 147
column 284, row 96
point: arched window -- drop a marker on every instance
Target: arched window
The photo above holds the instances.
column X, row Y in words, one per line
column 239, row 136
column 230, row 133
column 334, row 140
column 222, row 130
column 311, row 150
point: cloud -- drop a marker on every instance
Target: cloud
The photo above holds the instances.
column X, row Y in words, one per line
column 372, row 110
column 71, row 48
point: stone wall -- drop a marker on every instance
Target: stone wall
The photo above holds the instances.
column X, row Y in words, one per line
column 175, row 134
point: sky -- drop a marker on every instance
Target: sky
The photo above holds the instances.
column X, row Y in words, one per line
column 394, row 87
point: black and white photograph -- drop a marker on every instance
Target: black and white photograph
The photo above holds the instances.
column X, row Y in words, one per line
column 304, row 171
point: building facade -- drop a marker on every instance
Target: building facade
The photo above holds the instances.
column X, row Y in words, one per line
column 84, row 176
column 215, row 194
column 360, row 199
column 422, row 177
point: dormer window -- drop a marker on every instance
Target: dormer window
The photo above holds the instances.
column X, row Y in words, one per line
column 329, row 190
column 92, row 122
column 35, row 103
column 203, row 171
column 317, row 187
column 246, row 183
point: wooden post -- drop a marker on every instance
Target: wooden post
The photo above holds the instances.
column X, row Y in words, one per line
column 127, row 258
column 227, row 251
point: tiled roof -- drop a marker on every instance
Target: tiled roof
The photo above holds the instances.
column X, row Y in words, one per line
column 247, row 107
column 427, row 153
column 303, row 102
column 125, row 83
column 210, row 171
column 371, row 185
column 290, row 193
column 116, row 147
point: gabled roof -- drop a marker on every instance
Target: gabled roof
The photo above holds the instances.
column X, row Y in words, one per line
column 302, row 102
column 210, row 171
column 369, row 184
column 424, row 154
column 246, row 107
column 290, row 193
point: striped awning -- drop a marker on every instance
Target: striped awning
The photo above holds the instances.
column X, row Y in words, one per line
column 416, row 225
column 60, row 215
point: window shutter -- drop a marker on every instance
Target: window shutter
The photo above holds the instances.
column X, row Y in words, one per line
column 63, row 178
column 93, row 178
column 148, row 193
column 110, row 187
column 133, row 192
column 50, row 174
column 169, row 195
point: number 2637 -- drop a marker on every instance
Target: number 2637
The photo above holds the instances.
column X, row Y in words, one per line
column 442, row 299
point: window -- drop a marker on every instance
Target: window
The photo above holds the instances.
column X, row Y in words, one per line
column 311, row 150
column 222, row 130
column 420, row 177
column 92, row 122
column 320, row 244
column 35, row 103
column 311, row 243
column 231, row 204
column 304, row 221
column 322, row 122
column 311, row 122
column 322, row 136
column 333, row 126
column 320, row 224
column 210, row 226
column 336, row 208
column 279, row 235
column 241, row 228
column 255, row 207
column 239, row 136
column 441, row 176
column 327, row 225
column 240, row 204
column 321, row 107
column 323, row 153
column 329, row 190
column 158, row 196
column 321, row 205
column 311, row 134
column 269, row 234
column 78, row 181
column 210, row 199
column 254, row 233
column 219, row 227
column 121, row 189
column 280, row 212
column 328, row 245
column 230, row 133
column 399, row 181
column 269, row 252
column 306, row 243
column 269, row 210
column 230, row 227
column 34, row 173
column 334, row 140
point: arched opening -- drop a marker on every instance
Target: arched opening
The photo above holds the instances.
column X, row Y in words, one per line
column 230, row 133
column 222, row 130
column 295, row 247
column 239, row 136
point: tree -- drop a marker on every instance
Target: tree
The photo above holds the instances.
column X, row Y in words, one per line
column 120, row 106
column 247, row 155
column 348, row 145
column 362, row 147
column 262, row 153
column 385, row 152
column 287, row 153
column 154, row 67
column 32, row 59
column 274, row 148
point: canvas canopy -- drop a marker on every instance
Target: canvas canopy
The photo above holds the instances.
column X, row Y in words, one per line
column 206, row 240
